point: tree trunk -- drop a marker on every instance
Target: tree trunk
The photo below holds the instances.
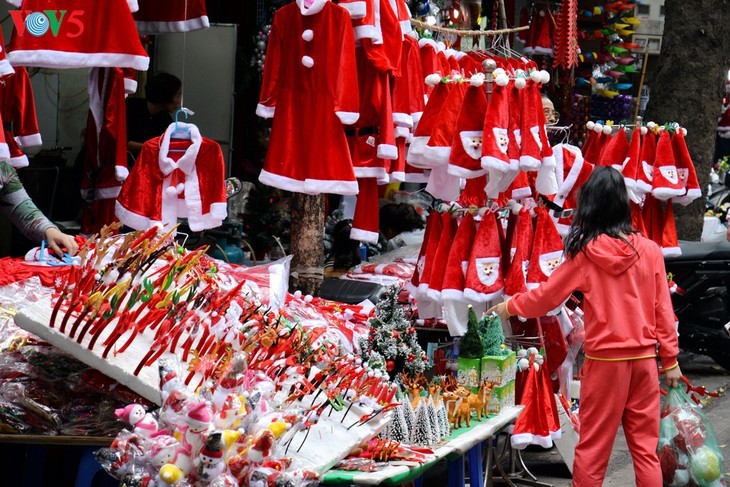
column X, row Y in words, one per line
column 307, row 243
column 689, row 85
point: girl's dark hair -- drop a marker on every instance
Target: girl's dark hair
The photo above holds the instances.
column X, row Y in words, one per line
column 162, row 88
column 603, row 208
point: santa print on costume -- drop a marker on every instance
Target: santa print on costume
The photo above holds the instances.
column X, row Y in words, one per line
column 310, row 89
column 165, row 185
column 89, row 34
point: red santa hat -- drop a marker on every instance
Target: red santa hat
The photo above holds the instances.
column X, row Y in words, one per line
column 495, row 140
column 422, row 134
column 532, row 426
column 572, row 171
column 669, row 243
column 632, row 163
column 466, row 147
column 653, row 216
column 426, row 264
column 441, row 257
column 593, row 154
column 665, row 179
column 685, row 168
column 438, row 148
column 519, row 188
column 198, row 415
column 591, row 136
column 415, row 280
column 521, row 248
column 456, row 266
column 645, row 171
column 484, row 280
column 614, row 154
column 540, row 40
column 547, row 250
column 533, row 123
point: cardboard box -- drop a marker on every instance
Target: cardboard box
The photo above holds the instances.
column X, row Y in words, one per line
column 499, row 369
column 469, row 372
column 501, row 397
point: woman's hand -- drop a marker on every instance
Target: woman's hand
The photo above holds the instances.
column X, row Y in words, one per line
column 501, row 310
column 57, row 240
column 673, row 376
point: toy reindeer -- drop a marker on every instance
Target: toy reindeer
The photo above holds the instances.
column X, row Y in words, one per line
column 434, row 390
column 415, row 387
column 479, row 401
column 463, row 413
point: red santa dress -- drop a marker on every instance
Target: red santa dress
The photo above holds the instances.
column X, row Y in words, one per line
column 90, row 33
column 163, row 16
column 175, row 179
column 20, row 125
column 310, row 89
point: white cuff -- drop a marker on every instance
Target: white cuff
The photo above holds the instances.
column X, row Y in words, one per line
column 347, row 118
column 387, row 151
column 357, row 10
column 31, row 140
column 402, row 119
column 219, row 210
column 265, row 112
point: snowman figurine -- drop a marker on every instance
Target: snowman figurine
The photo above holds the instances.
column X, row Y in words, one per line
column 210, row 465
column 144, row 424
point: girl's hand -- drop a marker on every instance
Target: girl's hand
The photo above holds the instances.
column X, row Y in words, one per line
column 501, row 310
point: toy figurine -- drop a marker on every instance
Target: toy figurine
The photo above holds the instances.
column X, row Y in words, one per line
column 169, row 476
column 134, row 414
column 210, row 465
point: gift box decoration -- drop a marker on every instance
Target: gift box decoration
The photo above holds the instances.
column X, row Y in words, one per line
column 469, row 372
column 502, row 397
column 499, row 369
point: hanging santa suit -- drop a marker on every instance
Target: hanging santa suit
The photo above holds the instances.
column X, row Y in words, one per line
column 19, row 116
column 5, row 68
column 90, row 34
column 164, row 16
column 174, row 179
column 105, row 161
column 310, row 89
column 572, row 171
column 429, row 61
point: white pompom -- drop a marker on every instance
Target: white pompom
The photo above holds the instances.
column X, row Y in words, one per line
column 607, row 129
column 520, row 83
column 520, row 73
column 644, row 130
column 502, row 80
column 539, row 359
column 298, row 294
column 180, row 188
column 651, row 126
column 308, row 298
column 477, row 80
column 499, row 71
column 661, row 129
column 523, row 363
column 433, row 79
column 683, row 131
column 521, row 353
column 598, row 128
column 171, row 191
column 308, row 35
column 535, row 76
column 590, row 124
column 542, row 13
column 532, row 350
column 545, row 77
column 307, row 61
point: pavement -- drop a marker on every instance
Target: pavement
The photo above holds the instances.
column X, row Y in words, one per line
column 548, row 465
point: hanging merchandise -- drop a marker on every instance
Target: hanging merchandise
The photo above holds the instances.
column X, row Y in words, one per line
column 105, row 160
column 566, row 33
column 572, row 172
column 19, row 116
column 541, row 33
column 175, row 178
column 164, row 16
column 85, row 33
column 5, row 68
column 310, row 90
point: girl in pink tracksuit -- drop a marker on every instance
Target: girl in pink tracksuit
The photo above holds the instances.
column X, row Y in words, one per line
column 628, row 312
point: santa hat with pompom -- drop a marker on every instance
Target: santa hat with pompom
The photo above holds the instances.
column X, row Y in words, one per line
column 591, row 136
column 422, row 133
column 441, row 257
column 430, row 224
column 198, row 415
column 484, row 280
column 669, row 242
column 456, row 266
column 495, row 137
column 685, row 169
column 632, row 164
column 425, row 264
column 466, row 146
column 547, row 250
column 519, row 188
column 438, row 148
column 533, row 125
column 665, row 179
column 645, row 171
column 614, row 154
column 520, row 250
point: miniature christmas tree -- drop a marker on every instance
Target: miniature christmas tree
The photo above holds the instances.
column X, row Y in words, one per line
column 434, row 420
column 444, row 426
column 423, row 431
column 393, row 338
column 398, row 429
column 492, row 335
column 471, row 345
column 408, row 414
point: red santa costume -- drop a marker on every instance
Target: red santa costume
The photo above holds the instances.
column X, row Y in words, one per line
column 5, row 68
column 572, row 171
column 105, row 162
column 18, row 116
column 90, row 34
column 163, row 16
column 310, row 81
column 175, row 179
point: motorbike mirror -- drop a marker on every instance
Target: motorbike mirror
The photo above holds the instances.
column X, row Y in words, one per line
column 233, row 187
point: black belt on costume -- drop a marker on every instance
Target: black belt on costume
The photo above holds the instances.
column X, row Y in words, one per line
column 7, row 126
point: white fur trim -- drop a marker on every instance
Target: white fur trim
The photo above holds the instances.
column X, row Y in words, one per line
column 523, row 440
column 453, row 295
column 437, row 156
column 121, row 173
column 545, row 51
column 495, row 163
column 671, row 251
column 402, row 132
column 315, row 7
column 397, row 177
column 186, row 163
column 643, row 187
column 101, row 193
column 529, row 163
column 4, row 152
column 219, row 210
column 6, row 69
column 402, row 119
column 433, row 295
column 405, row 26
column 415, row 152
column 133, row 5
column 569, row 182
column 130, row 86
column 347, row 118
column 692, row 194
column 414, row 177
column 265, row 112
column 18, row 162
column 521, row 193
column 370, row 172
column 666, row 193
column 30, row 140
column 387, row 151
column 477, row 297
column 463, row 172
column 426, row 41
column 308, row 186
column 357, row 10
column 416, row 117
column 361, row 235
column 165, row 27
column 131, row 219
column 46, row 58
column 365, row 32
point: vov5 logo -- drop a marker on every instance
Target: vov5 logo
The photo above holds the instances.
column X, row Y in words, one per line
column 38, row 24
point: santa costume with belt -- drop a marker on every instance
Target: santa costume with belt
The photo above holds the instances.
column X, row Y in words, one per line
column 164, row 16
column 174, row 179
column 20, row 125
column 89, row 34
column 310, row 89
column 105, row 161
column 572, row 172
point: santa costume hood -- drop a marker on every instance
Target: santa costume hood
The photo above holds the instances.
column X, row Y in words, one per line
column 422, row 133
column 645, row 171
column 466, row 146
column 685, row 169
column 484, row 280
column 441, row 257
column 458, row 262
column 617, row 148
column 666, row 183
column 547, row 250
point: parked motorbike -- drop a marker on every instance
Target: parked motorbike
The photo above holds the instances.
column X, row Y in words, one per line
column 702, row 275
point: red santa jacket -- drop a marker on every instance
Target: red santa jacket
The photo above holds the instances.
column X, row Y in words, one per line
column 165, row 185
column 571, row 171
column 20, row 126
column 5, row 68
column 163, row 16
column 91, row 33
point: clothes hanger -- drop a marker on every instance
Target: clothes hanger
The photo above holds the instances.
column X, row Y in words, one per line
column 180, row 132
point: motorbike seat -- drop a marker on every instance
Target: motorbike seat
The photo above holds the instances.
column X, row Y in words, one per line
column 702, row 251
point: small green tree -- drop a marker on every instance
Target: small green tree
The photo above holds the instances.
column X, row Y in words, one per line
column 471, row 345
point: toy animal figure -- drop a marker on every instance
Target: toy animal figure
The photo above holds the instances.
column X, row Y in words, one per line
column 451, row 402
column 480, row 401
column 434, row 390
column 415, row 388
column 463, row 414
